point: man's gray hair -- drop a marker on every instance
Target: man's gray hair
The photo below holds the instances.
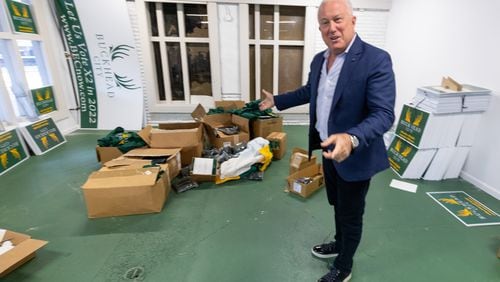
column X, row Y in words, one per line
column 347, row 2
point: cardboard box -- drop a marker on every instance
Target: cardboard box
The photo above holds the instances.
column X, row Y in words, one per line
column 173, row 135
column 188, row 153
column 105, row 154
column 212, row 122
column 230, row 105
column 277, row 143
column 262, row 127
column 314, row 173
column 125, row 192
column 23, row 250
column 204, row 170
column 173, row 157
column 300, row 160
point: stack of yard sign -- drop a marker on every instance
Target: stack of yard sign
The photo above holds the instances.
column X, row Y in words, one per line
column 436, row 130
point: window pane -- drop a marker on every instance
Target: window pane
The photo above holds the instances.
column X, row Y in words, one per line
column 152, row 18
column 170, row 19
column 290, row 68
column 200, row 79
column 196, row 20
column 252, row 72
column 266, row 22
column 34, row 63
column 17, row 93
column 175, row 67
column 266, row 68
column 292, row 23
column 159, row 71
column 251, row 21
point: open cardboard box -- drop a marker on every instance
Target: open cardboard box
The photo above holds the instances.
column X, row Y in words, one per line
column 260, row 127
column 105, row 154
column 314, row 173
column 126, row 192
column 173, row 158
column 23, row 251
column 173, row 135
column 212, row 122
column 299, row 159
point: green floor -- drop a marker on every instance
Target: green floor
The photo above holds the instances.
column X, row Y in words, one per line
column 238, row 231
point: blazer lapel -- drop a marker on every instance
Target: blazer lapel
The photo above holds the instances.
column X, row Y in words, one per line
column 346, row 73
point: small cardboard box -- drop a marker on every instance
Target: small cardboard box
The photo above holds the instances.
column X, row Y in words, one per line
column 212, row 122
column 314, row 172
column 262, row 127
column 173, row 157
column 125, row 192
column 105, row 154
column 23, row 250
column 204, row 170
column 300, row 159
column 277, row 143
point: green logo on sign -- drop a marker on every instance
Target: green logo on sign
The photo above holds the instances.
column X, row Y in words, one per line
column 120, row 52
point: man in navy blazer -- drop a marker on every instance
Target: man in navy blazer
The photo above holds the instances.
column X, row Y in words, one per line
column 351, row 94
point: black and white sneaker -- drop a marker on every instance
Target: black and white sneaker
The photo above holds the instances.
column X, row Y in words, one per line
column 336, row 275
column 326, row 250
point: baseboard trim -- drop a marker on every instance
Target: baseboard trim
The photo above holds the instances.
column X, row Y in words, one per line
column 480, row 184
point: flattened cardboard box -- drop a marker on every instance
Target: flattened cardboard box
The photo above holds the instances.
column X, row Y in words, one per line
column 300, row 159
column 125, row 192
column 23, row 251
column 277, row 143
column 315, row 172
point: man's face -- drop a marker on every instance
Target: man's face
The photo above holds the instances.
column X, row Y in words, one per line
column 336, row 25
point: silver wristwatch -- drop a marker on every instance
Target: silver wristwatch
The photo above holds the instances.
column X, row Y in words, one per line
column 354, row 141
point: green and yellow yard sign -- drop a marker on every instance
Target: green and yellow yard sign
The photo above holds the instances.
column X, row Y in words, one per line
column 12, row 151
column 465, row 208
column 44, row 100
column 21, row 17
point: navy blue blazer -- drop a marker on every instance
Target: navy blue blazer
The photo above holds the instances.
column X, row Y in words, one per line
column 363, row 105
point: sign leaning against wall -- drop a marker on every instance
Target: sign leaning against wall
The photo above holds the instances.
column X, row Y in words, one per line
column 105, row 62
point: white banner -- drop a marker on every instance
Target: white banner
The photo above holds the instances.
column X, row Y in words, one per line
column 110, row 43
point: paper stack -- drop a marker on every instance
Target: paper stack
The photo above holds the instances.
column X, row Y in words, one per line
column 440, row 100
column 439, row 125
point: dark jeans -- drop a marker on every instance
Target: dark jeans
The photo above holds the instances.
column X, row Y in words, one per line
column 348, row 201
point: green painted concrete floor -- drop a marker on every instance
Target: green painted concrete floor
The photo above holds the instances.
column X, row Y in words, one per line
column 237, row 231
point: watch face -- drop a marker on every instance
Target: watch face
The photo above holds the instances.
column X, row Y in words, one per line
column 355, row 141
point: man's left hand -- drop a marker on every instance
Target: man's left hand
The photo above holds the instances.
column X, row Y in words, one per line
column 342, row 147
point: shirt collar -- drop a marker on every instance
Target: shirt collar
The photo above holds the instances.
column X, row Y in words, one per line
column 327, row 53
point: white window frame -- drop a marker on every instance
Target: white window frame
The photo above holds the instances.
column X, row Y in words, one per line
column 55, row 66
column 308, row 47
column 190, row 101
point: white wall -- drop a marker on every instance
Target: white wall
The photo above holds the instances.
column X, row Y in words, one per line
column 458, row 38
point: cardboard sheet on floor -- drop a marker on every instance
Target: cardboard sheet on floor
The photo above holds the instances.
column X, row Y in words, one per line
column 465, row 208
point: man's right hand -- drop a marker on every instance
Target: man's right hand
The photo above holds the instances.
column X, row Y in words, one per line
column 267, row 102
